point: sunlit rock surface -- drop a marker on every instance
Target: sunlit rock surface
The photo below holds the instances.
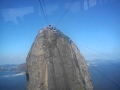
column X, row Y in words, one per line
column 55, row 63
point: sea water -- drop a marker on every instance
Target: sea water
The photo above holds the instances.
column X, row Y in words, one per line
column 12, row 81
column 105, row 75
column 107, row 79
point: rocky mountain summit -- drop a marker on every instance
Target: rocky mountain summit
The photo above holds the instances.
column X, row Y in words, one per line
column 55, row 63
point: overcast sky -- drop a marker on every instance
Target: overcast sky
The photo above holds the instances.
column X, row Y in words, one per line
column 96, row 26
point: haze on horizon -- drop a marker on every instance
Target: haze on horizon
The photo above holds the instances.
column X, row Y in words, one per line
column 95, row 25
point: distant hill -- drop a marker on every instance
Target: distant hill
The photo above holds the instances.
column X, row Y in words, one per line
column 13, row 67
column 19, row 68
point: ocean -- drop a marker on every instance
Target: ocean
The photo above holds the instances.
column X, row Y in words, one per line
column 105, row 75
column 107, row 79
column 12, row 81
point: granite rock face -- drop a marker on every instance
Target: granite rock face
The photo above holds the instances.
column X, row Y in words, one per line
column 55, row 63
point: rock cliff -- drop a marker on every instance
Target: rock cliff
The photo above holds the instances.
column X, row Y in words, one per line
column 55, row 63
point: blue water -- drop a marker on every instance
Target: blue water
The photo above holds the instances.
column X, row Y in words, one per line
column 12, row 81
column 110, row 77
column 17, row 81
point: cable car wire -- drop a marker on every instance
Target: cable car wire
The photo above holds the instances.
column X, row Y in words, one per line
column 66, row 11
column 42, row 8
column 105, row 76
column 99, row 52
column 81, row 11
column 45, row 10
column 101, row 58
